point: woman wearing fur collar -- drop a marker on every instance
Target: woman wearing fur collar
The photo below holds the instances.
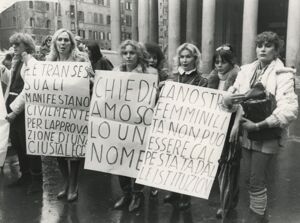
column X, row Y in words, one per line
column 269, row 71
column 221, row 78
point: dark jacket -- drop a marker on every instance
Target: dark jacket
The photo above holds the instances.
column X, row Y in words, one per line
column 102, row 64
column 194, row 78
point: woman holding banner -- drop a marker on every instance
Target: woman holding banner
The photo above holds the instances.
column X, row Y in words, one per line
column 134, row 59
column 63, row 48
column 265, row 89
column 187, row 63
column 30, row 166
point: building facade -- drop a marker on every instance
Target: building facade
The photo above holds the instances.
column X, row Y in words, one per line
column 91, row 19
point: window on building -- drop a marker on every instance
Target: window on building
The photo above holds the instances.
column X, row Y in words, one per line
column 102, row 35
column 108, row 19
column 128, row 20
column 59, row 24
column 95, row 35
column 58, row 8
column 128, row 6
column 109, row 36
column 123, row 36
column 90, row 34
column 101, row 19
column 82, row 33
column 31, row 22
column 128, row 35
column 72, row 26
column 31, row 4
column 101, row 2
column 48, row 24
column 47, row 6
column 80, row 16
column 107, row 3
column 14, row 21
column 72, row 11
column 122, row 7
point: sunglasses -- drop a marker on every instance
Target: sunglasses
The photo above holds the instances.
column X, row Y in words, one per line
column 225, row 48
column 16, row 44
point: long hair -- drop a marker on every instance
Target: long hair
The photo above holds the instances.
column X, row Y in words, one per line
column 140, row 51
column 95, row 51
column 29, row 44
column 44, row 43
column 75, row 54
column 154, row 49
column 194, row 51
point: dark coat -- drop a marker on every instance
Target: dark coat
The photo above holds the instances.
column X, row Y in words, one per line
column 214, row 80
column 194, row 78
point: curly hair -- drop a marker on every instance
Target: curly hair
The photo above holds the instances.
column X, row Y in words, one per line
column 24, row 38
column 75, row 54
column 270, row 37
column 140, row 51
column 154, row 49
column 194, row 51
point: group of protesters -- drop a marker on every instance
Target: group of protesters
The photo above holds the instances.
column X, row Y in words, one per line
column 244, row 133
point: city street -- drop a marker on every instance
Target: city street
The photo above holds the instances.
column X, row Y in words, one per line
column 99, row 191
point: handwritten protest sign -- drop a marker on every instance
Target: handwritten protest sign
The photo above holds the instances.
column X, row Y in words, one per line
column 186, row 139
column 57, row 108
column 120, row 115
column 4, row 129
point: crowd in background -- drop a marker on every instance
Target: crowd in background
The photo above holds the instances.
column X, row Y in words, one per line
column 246, row 134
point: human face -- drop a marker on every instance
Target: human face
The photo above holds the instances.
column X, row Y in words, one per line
column 187, row 60
column 48, row 42
column 63, row 44
column 19, row 48
column 222, row 66
column 130, row 57
column 265, row 52
column 153, row 60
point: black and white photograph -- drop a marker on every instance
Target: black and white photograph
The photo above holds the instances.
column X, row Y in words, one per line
column 149, row 111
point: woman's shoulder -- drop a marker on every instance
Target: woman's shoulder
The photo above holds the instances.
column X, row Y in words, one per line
column 151, row 70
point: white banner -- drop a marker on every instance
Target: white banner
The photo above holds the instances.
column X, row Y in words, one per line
column 120, row 115
column 57, row 108
column 4, row 129
column 186, row 139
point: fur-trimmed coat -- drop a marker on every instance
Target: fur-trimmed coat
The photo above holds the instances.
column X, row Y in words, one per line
column 214, row 80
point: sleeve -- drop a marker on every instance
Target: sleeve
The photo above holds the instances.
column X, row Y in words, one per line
column 235, row 88
column 286, row 109
column 18, row 105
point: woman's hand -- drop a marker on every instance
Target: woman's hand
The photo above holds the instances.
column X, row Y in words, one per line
column 10, row 117
column 90, row 71
column 231, row 99
column 249, row 125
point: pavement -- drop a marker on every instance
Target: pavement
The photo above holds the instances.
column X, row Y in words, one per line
column 98, row 192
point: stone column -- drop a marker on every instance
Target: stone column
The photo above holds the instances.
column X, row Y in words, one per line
column 135, row 18
column 249, row 30
column 174, row 29
column 191, row 21
column 115, row 24
column 153, row 21
column 293, row 33
column 208, row 31
column 143, row 14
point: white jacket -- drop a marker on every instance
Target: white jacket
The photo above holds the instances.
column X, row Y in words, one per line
column 279, row 82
